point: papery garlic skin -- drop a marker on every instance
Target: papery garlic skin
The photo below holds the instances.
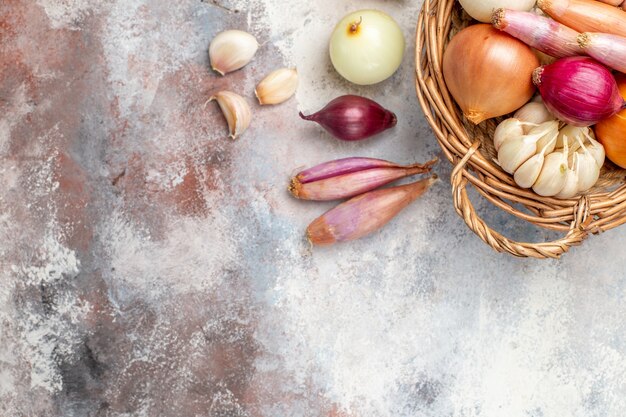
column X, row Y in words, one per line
column 526, row 175
column 507, row 129
column 514, row 152
column 570, row 189
column 553, row 175
column 236, row 111
column 534, row 112
column 231, row 50
column 277, row 87
column 549, row 131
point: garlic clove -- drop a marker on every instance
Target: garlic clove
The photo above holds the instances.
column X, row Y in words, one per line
column 588, row 171
column 526, row 175
column 533, row 112
column 277, row 87
column 570, row 189
column 236, row 111
column 507, row 129
column 595, row 148
column 549, row 131
column 553, row 175
column 514, row 152
column 570, row 132
column 231, row 50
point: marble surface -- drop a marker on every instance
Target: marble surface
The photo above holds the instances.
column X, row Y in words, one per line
column 149, row 266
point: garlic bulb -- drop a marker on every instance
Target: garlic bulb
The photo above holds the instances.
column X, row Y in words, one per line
column 231, row 50
column 534, row 112
column 554, row 163
column 236, row 111
column 277, row 87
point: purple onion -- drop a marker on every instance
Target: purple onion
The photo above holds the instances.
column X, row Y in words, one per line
column 348, row 177
column 579, row 90
column 353, row 118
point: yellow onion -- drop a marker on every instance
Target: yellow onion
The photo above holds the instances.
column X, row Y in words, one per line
column 488, row 72
column 612, row 132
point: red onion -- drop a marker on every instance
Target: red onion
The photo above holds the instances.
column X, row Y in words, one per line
column 348, row 177
column 543, row 34
column 353, row 118
column 364, row 214
column 578, row 90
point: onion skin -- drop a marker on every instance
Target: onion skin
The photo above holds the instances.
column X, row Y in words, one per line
column 351, row 183
column 586, row 15
column 353, row 118
column 488, row 72
column 607, row 49
column 481, row 9
column 364, row 214
column 611, row 133
column 578, row 90
column 542, row 33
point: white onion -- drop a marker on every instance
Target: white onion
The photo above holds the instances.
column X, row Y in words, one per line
column 367, row 47
column 483, row 9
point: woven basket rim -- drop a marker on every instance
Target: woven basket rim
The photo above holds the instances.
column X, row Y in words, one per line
column 467, row 148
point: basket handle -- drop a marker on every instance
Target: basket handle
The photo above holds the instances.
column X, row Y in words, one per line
column 576, row 234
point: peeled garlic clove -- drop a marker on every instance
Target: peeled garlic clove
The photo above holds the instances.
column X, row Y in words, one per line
column 514, row 152
column 570, row 189
column 507, row 129
column 526, row 175
column 236, row 111
column 231, row 50
column 533, row 112
column 549, row 132
column 553, row 175
column 277, row 87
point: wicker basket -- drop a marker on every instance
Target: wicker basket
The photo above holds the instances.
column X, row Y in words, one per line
column 470, row 149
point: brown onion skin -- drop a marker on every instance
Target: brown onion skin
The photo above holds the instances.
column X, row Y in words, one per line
column 611, row 133
column 353, row 118
column 488, row 72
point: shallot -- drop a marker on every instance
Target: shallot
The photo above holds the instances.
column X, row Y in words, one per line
column 364, row 214
column 353, row 118
column 542, row 33
column 607, row 49
column 348, row 177
column 586, row 15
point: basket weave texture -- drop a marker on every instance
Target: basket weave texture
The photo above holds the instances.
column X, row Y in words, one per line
column 470, row 149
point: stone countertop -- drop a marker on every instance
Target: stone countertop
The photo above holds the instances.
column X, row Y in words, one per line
column 149, row 266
